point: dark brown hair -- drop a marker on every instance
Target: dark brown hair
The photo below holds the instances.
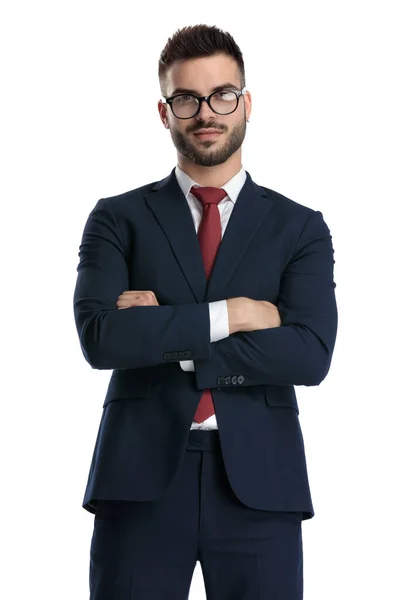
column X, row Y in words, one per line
column 196, row 41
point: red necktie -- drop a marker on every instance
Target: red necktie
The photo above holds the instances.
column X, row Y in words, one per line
column 209, row 235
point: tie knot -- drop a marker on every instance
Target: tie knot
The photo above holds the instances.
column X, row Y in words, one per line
column 208, row 195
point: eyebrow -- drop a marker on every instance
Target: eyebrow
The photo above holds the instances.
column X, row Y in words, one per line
column 216, row 89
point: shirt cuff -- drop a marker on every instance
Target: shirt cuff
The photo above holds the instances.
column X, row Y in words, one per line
column 219, row 321
column 187, row 365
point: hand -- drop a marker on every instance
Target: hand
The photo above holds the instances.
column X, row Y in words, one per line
column 264, row 315
column 137, row 298
column 246, row 314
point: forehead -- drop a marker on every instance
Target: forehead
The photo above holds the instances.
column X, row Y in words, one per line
column 203, row 75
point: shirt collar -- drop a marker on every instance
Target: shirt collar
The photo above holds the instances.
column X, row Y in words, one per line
column 232, row 187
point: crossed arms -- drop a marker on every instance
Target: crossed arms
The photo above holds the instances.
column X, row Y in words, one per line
column 297, row 352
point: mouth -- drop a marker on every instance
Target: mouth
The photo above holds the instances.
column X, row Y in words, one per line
column 208, row 135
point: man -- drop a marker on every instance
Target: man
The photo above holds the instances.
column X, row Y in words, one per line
column 209, row 297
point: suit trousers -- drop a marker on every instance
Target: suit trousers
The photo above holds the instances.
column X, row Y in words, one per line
column 148, row 550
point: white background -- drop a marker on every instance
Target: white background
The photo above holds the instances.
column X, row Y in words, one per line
column 79, row 121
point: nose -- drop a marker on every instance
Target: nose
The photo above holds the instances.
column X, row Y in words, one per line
column 205, row 112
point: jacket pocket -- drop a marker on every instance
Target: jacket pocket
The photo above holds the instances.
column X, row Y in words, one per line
column 281, row 395
column 128, row 383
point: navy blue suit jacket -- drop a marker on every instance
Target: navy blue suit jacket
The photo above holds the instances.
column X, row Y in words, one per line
column 273, row 249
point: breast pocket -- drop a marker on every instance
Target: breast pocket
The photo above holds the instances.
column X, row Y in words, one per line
column 128, row 383
column 281, row 396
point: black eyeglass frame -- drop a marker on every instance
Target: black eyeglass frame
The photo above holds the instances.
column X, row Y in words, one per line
column 238, row 93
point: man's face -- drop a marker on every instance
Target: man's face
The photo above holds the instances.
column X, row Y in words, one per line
column 202, row 75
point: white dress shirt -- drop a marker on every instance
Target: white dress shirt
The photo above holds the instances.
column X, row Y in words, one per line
column 219, row 324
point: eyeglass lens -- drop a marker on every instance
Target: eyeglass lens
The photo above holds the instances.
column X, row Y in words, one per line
column 185, row 106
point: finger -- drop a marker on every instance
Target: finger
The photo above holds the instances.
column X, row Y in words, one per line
column 129, row 303
column 138, row 293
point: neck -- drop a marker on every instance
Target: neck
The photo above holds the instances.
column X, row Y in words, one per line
column 211, row 176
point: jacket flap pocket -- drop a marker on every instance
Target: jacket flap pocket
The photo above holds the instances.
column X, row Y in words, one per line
column 281, row 395
column 128, row 383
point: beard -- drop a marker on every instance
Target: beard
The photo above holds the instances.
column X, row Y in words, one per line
column 202, row 153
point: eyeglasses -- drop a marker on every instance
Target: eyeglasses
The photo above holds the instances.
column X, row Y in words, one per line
column 222, row 102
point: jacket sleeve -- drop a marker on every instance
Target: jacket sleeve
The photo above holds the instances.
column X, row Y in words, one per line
column 299, row 351
column 219, row 328
column 139, row 336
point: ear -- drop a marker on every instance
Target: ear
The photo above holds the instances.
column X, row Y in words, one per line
column 247, row 104
column 162, row 113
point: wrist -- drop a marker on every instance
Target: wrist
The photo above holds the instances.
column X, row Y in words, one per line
column 236, row 315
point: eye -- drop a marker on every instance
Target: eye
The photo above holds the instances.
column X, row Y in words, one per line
column 184, row 98
column 226, row 95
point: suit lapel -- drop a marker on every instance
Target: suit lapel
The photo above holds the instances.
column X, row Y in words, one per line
column 170, row 208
